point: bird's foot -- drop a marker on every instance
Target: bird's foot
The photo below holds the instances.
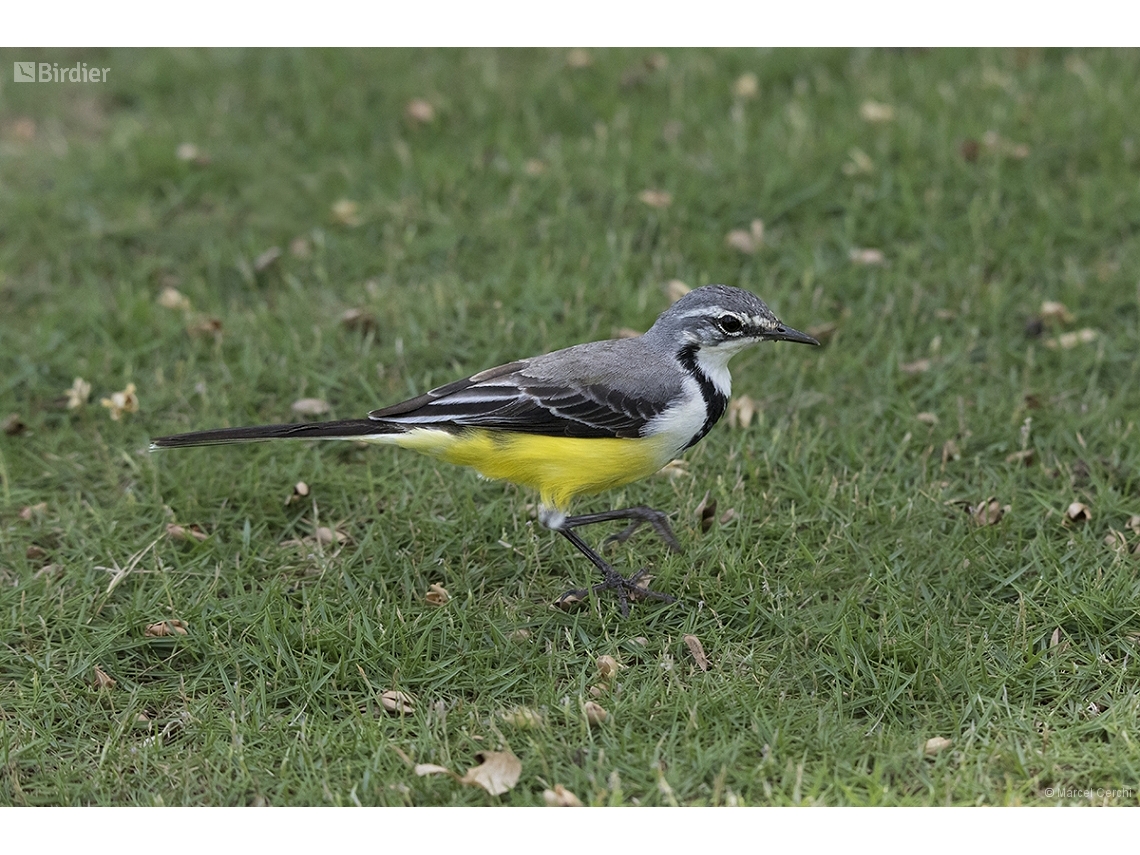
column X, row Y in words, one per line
column 629, row 589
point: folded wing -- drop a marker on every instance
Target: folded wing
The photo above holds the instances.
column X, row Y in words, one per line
column 551, row 396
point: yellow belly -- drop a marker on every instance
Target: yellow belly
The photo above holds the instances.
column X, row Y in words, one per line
column 558, row 467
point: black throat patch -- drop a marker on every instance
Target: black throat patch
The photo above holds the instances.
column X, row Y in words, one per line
column 716, row 402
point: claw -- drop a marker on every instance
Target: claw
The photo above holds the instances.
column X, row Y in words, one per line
column 629, row 589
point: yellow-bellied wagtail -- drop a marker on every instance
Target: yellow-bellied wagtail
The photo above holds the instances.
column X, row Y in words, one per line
column 575, row 421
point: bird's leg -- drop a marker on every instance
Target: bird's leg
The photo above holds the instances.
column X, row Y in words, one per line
column 627, row 588
column 638, row 515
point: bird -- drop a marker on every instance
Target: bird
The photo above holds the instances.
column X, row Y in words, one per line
column 573, row 422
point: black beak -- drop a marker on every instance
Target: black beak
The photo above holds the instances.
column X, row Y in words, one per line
column 783, row 333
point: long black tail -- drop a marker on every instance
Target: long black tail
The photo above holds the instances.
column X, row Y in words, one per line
column 343, row 429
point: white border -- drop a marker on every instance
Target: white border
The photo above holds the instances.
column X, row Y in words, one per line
column 579, row 22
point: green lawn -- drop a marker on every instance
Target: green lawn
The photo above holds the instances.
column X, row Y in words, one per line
column 851, row 606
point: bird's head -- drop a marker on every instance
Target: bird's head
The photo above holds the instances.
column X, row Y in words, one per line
column 718, row 320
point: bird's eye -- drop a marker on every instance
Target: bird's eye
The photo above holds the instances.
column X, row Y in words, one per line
column 730, row 324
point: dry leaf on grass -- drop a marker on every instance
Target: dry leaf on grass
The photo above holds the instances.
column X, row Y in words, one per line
column 607, row 667
column 1116, row 540
column 182, row 532
column 674, row 468
column 422, row 769
column 101, row 680
column 876, row 112
column 327, row 536
column 867, row 257
column 988, row 512
column 1024, row 457
column 675, row 289
column 746, row 85
column 174, row 626
column 698, row 651
column 497, row 772
column 51, row 570
column 560, row 797
column 267, row 259
column 397, row 703
column 998, row 144
column 420, row 111
column 78, row 394
column 300, row 491
column 859, row 164
column 24, row 129
column 346, row 212
column 1052, row 311
column 26, row 513
column 747, row 241
column 310, row 407
column 172, row 298
column 13, row 425
column 321, row 536
column 919, row 366
column 950, row 451
column 1069, row 340
column 437, row 595
column 741, row 411
column 594, row 713
column 641, row 580
column 187, row 152
column 568, row 601
column 578, row 58
column 935, row 745
column 1134, row 523
column 205, row 326
column 122, row 402
column 523, row 718
column 656, row 198
column 300, row 247
column 358, row 319
column 1078, row 512
column 706, row 512
column 927, row 419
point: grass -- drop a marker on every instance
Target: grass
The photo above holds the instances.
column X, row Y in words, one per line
column 851, row 608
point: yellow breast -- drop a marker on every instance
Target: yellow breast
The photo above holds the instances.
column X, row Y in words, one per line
column 558, row 467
